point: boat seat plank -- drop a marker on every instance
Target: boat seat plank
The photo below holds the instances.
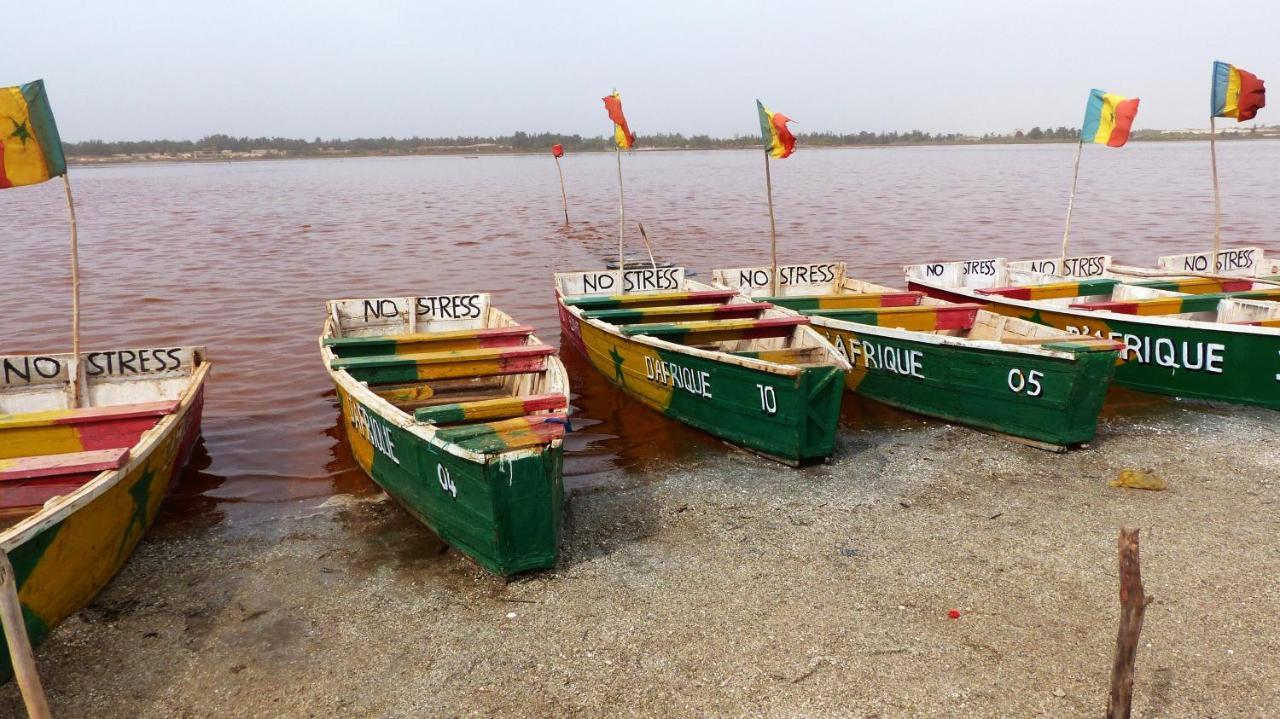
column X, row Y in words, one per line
column 374, row 345
column 490, row 409
column 1197, row 285
column 507, row 434
column 718, row 330
column 54, row 465
column 1055, row 290
column 452, row 364
column 849, row 300
column 1176, row 305
column 85, row 415
column 633, row 315
column 786, row 355
column 651, row 299
column 925, row 318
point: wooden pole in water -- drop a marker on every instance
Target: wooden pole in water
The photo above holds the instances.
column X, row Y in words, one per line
column 1133, row 608
column 1217, row 200
column 773, row 230
column 563, row 195
column 1071, row 201
column 15, row 632
column 648, row 248
column 74, row 369
column 622, row 213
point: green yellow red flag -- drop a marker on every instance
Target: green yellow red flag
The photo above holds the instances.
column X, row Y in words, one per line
column 30, row 149
column 621, row 132
column 778, row 140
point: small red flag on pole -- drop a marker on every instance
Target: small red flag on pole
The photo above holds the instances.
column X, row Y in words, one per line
column 557, row 152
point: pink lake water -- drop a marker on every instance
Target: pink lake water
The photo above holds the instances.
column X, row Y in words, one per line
column 240, row 257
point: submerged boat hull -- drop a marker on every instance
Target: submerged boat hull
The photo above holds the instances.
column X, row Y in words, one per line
column 1050, row 399
column 63, row 558
column 1162, row 355
column 502, row 510
column 792, row 418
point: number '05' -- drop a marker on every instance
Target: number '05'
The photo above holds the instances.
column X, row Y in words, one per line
column 1028, row 384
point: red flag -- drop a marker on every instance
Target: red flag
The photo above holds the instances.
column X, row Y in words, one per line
column 557, row 150
column 621, row 133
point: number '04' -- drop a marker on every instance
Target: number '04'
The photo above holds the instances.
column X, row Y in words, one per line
column 768, row 399
column 1028, row 384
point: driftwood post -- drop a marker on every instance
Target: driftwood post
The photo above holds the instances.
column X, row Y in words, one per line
column 15, row 632
column 75, row 369
column 1133, row 607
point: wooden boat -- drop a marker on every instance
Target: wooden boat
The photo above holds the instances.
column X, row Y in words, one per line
column 750, row 373
column 1236, row 263
column 956, row 362
column 1180, row 336
column 80, row 485
column 459, row 413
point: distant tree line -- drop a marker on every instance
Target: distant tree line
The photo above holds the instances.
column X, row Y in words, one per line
column 542, row 141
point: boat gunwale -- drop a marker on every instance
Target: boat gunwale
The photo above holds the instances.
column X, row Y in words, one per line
column 140, row 452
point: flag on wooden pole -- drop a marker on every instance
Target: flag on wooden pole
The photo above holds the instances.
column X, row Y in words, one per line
column 621, row 131
column 30, row 148
column 1108, row 119
column 1236, row 93
column 557, row 152
column 780, row 143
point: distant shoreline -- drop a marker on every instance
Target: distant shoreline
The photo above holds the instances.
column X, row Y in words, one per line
column 251, row 156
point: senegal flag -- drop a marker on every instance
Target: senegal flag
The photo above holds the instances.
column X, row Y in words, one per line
column 621, row 131
column 1108, row 118
column 1236, row 93
column 777, row 138
column 30, row 149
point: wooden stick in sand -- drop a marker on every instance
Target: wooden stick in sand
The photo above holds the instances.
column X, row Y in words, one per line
column 15, row 633
column 1133, row 607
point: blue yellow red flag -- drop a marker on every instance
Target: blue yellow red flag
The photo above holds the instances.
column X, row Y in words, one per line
column 1108, row 118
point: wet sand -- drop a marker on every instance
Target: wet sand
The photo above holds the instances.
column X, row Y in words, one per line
column 727, row 585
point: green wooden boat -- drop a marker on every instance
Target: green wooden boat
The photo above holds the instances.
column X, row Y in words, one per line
column 956, row 362
column 459, row 413
column 1216, row 345
column 755, row 375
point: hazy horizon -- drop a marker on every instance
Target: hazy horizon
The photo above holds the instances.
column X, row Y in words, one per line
column 141, row 71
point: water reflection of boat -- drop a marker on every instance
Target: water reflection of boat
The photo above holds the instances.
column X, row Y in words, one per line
column 79, row 485
column 459, row 413
column 746, row 372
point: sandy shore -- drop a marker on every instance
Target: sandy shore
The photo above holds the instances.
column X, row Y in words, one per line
column 730, row 586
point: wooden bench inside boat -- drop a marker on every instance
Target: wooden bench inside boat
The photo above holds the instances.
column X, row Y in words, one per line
column 651, row 299
column 924, row 318
column 28, row 433
column 485, row 362
column 490, row 409
column 794, row 356
column 849, row 300
column 1176, row 305
column 507, row 434
column 678, row 312
column 708, row 331
column 1054, row 290
column 1197, row 285
column 53, row 465
column 372, row 345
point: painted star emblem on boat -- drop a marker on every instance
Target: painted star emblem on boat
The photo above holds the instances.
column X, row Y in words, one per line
column 617, row 365
column 140, row 492
column 20, row 131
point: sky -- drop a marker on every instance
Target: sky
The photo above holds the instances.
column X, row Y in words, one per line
column 294, row 68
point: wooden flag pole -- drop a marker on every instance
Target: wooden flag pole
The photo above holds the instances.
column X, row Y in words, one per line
column 1133, row 609
column 622, row 213
column 15, row 632
column 773, row 230
column 563, row 195
column 1217, row 201
column 1071, row 201
column 75, row 296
